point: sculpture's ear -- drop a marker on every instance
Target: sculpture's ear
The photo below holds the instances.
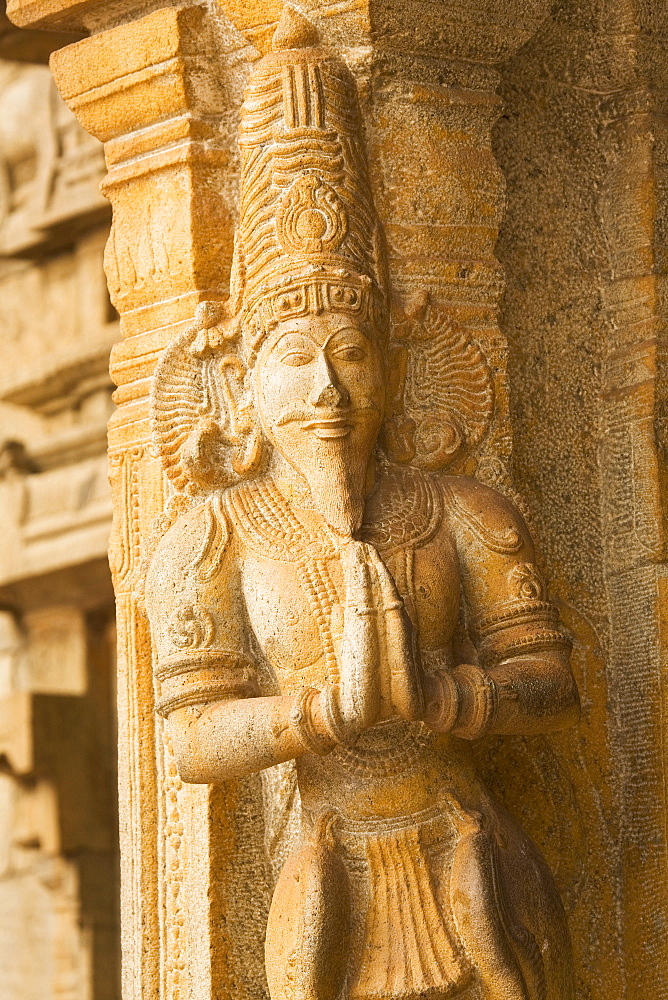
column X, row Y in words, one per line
column 203, row 424
column 440, row 400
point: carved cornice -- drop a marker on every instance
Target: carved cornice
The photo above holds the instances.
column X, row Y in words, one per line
column 30, row 46
column 74, row 15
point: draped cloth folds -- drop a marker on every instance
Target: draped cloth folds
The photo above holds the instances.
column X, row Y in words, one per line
column 408, row 950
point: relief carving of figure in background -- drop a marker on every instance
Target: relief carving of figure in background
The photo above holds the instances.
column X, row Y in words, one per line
column 333, row 606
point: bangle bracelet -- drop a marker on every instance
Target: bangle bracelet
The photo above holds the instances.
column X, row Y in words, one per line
column 484, row 701
column 303, row 727
column 449, row 702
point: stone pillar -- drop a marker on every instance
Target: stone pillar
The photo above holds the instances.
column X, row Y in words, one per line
column 160, row 84
column 582, row 146
column 157, row 92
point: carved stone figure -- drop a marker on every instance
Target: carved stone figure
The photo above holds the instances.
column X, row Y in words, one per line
column 331, row 608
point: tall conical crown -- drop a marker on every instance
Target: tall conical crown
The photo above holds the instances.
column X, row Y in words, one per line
column 308, row 236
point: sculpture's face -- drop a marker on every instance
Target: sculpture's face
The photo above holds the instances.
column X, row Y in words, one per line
column 320, row 379
column 320, row 392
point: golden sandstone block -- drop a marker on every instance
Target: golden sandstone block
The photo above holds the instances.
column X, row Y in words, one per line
column 51, row 13
column 330, row 414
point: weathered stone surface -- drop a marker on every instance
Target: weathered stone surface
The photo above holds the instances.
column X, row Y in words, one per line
column 585, row 313
column 544, row 127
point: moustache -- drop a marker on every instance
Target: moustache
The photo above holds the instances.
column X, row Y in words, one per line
column 304, row 415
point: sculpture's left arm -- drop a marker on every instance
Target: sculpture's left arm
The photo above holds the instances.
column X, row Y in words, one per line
column 522, row 683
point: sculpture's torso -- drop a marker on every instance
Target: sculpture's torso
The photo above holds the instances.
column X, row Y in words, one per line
column 292, row 584
column 255, row 607
column 403, row 795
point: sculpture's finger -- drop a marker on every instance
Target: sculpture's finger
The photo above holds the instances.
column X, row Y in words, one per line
column 401, row 653
column 390, row 598
column 360, row 660
column 357, row 577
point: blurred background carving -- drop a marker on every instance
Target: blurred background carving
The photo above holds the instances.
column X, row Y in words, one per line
column 58, row 813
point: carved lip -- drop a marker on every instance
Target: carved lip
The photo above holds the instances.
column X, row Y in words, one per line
column 332, row 427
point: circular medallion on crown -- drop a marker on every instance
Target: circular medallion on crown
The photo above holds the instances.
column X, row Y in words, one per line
column 311, row 217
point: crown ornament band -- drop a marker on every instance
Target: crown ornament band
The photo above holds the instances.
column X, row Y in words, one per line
column 308, row 238
column 313, row 294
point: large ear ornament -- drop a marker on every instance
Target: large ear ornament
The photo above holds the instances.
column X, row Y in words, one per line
column 448, row 399
column 207, row 440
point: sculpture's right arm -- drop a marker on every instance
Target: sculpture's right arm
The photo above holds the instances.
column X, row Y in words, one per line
column 230, row 739
column 206, row 684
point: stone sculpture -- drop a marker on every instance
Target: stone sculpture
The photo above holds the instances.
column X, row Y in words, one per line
column 331, row 606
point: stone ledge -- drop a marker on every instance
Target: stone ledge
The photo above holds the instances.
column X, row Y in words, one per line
column 51, row 13
column 33, row 46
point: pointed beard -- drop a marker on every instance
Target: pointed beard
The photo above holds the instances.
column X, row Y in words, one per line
column 336, row 478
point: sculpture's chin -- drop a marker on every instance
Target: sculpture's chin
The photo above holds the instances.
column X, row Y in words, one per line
column 335, row 471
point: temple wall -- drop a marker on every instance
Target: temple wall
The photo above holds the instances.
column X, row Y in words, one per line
column 530, row 138
column 59, row 937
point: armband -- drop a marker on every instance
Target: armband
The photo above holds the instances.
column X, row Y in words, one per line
column 202, row 677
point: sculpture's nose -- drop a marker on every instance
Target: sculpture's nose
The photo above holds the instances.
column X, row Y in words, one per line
column 330, row 396
column 327, row 391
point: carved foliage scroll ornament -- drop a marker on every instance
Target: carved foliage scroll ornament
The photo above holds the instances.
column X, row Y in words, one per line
column 448, row 400
column 202, row 412
column 124, row 545
column 311, row 218
column 191, row 628
column 526, row 582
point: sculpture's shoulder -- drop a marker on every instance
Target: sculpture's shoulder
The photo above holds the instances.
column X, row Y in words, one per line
column 192, row 552
column 481, row 517
column 195, row 608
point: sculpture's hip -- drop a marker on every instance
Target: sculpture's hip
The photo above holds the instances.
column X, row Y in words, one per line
column 446, row 892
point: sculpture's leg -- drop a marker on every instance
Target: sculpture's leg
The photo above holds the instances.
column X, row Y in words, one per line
column 306, row 948
column 508, row 913
column 475, row 906
column 533, row 913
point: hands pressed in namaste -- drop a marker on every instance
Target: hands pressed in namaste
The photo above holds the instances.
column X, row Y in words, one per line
column 379, row 663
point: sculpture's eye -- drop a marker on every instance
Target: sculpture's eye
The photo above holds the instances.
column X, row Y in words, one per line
column 296, row 358
column 348, row 352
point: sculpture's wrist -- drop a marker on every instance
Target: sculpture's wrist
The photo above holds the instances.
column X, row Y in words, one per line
column 309, row 725
column 463, row 702
column 478, row 701
column 442, row 701
column 332, row 720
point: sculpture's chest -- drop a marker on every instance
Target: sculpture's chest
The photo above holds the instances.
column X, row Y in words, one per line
column 296, row 605
column 293, row 583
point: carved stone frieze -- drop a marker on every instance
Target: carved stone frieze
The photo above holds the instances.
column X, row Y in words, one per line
column 58, row 845
column 50, row 169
